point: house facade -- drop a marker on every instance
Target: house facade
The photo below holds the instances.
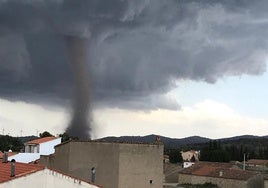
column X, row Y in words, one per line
column 190, row 155
column 116, row 165
column 35, row 148
column 221, row 174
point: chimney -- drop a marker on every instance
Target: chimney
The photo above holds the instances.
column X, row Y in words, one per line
column 158, row 140
column 5, row 157
column 12, row 174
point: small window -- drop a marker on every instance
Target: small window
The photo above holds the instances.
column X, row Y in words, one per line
column 151, row 181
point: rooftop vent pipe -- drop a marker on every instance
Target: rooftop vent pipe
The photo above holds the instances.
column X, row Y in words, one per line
column 5, row 157
column 12, row 168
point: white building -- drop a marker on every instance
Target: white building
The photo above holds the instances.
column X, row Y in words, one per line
column 31, row 175
column 35, row 148
column 187, row 164
column 190, row 156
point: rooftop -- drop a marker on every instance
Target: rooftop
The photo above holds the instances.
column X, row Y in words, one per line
column 41, row 140
column 108, row 142
column 219, row 170
column 22, row 169
column 257, row 162
column 9, row 154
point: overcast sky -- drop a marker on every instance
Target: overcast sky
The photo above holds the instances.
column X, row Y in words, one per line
column 176, row 68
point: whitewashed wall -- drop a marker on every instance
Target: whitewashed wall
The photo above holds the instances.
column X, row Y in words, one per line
column 46, row 179
column 47, row 148
column 25, row 157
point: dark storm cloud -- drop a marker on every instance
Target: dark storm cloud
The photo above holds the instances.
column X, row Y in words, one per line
column 138, row 50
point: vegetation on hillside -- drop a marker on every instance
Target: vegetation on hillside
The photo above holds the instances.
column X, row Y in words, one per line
column 215, row 151
column 10, row 143
column 174, row 155
column 225, row 150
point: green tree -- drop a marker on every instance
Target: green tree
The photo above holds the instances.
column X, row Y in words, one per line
column 174, row 155
column 214, row 152
column 66, row 137
column 45, row 134
column 8, row 142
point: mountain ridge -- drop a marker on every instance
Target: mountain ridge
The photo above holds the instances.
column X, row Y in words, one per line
column 177, row 142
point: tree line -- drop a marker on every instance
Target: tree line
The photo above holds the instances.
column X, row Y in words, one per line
column 216, row 151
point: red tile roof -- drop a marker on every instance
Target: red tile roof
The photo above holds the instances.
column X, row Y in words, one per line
column 9, row 154
column 22, row 169
column 219, row 170
column 41, row 140
column 257, row 162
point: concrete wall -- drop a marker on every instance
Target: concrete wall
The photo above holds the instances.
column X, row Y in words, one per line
column 104, row 157
column 141, row 166
column 256, row 181
column 46, row 179
column 221, row 182
column 59, row 160
column 117, row 165
column 265, row 183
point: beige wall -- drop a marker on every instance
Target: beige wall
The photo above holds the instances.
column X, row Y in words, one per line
column 117, row 165
column 139, row 164
column 265, row 183
column 103, row 156
column 59, row 160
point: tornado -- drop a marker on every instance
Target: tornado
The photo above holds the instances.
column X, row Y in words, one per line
column 79, row 125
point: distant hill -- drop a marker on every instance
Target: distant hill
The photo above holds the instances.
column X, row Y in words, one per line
column 168, row 142
column 195, row 142
column 192, row 142
column 241, row 137
column 24, row 139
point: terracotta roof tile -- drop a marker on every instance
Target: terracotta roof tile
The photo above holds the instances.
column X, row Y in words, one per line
column 257, row 162
column 21, row 170
column 9, row 154
column 41, row 140
column 220, row 170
